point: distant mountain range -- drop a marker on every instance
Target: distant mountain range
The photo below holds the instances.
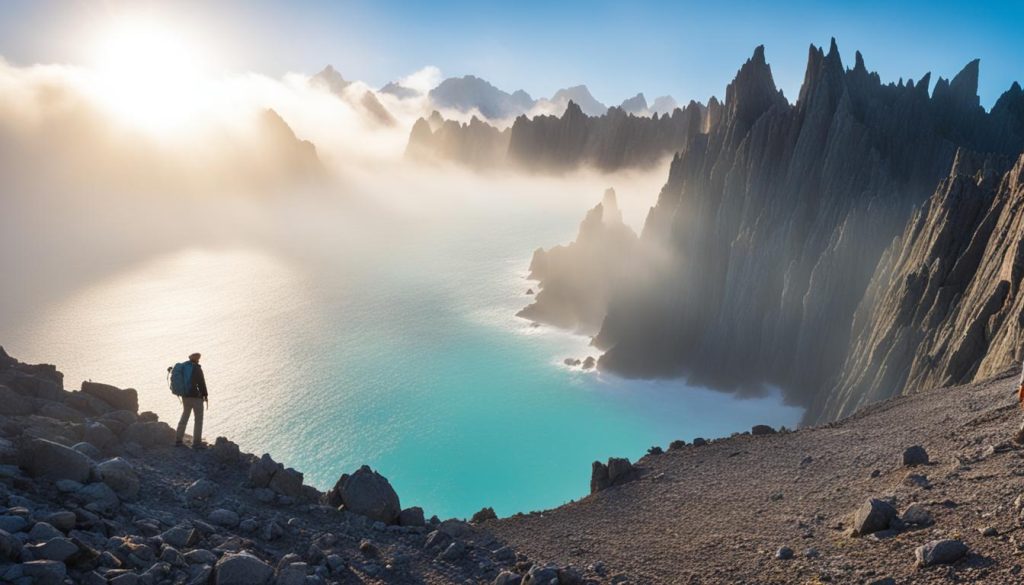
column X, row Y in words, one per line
column 475, row 96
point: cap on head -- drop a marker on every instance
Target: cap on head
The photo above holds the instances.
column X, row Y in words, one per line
column 194, row 356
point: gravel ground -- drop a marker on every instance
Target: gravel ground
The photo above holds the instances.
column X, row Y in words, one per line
column 719, row 513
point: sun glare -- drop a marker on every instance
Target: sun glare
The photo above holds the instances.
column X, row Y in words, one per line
column 149, row 74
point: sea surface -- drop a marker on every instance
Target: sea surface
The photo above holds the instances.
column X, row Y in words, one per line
column 394, row 347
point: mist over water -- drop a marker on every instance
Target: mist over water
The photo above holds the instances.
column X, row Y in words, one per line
column 367, row 319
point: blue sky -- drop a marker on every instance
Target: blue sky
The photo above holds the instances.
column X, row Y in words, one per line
column 687, row 49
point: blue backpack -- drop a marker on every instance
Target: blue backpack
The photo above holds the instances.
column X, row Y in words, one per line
column 180, row 376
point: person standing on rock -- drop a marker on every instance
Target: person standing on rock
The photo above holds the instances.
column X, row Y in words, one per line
column 192, row 402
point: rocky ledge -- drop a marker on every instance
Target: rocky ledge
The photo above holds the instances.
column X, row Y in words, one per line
column 94, row 492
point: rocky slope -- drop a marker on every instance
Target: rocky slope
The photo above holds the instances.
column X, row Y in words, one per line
column 918, row 489
column 783, row 507
column 94, row 492
column 769, row 233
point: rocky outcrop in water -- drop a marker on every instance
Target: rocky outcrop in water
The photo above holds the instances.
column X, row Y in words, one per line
column 576, row 280
column 770, row 230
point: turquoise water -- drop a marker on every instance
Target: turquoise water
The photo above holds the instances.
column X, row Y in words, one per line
column 399, row 350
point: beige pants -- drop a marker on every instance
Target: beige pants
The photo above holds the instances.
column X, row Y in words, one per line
column 190, row 405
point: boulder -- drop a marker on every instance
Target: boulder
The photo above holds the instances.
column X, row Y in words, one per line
column 200, row 489
column 42, row 531
column 508, row 578
column 619, row 470
column 127, row 399
column 88, row 449
column 455, row 551
column 242, row 569
column 63, row 520
column 915, row 455
column 87, row 403
column 98, row 497
column 287, row 482
column 872, row 516
column 180, row 536
column 12, row 524
column 699, row 442
column 223, row 517
column 10, row 547
column 411, row 517
column 59, row 411
column 55, row 549
column 598, row 477
column 225, row 451
column 98, row 434
column 757, row 430
column 369, row 494
column 262, row 471
column 46, row 459
column 483, row 515
column 538, row 575
column 149, row 434
column 120, row 476
column 45, row 572
column 14, row 404
column 940, row 552
column 784, row 553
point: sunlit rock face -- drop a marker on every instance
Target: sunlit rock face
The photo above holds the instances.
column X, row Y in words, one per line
column 944, row 306
column 576, row 279
column 774, row 221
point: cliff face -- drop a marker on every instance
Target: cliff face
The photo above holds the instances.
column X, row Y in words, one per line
column 944, row 306
column 576, row 280
column 773, row 224
column 612, row 141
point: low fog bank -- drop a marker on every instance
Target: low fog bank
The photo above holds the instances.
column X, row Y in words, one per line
column 282, row 164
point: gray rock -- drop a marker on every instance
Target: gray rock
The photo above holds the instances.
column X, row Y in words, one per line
column 89, row 450
column 454, row 551
column 262, row 471
column 201, row 489
column 45, row 572
column 508, row 578
column 699, row 442
column 538, row 575
column 249, row 525
column 872, row 516
column 784, row 553
column 10, row 547
column 180, row 536
column 55, row 549
column 940, row 552
column 293, row 574
column 62, row 520
column 12, row 524
column 437, row 540
column 46, row 459
column 127, row 399
column 411, row 517
column 67, row 486
column 120, row 476
column 200, row 556
column 757, row 430
column 917, row 480
column 44, row 531
column 225, row 451
column 917, row 515
column 367, row 493
column 242, row 569
column 171, row 555
column 98, row 497
column 272, row 531
column 915, row 455
column 287, row 482
column 149, row 434
column 223, row 517
column 483, row 515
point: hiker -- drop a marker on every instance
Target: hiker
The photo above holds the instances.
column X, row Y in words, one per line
column 192, row 399
column 1020, row 399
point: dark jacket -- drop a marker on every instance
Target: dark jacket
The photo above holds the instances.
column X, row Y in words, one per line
column 197, row 385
